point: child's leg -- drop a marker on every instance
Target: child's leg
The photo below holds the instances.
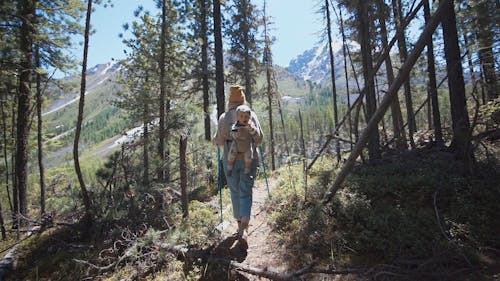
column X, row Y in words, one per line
column 230, row 158
column 248, row 161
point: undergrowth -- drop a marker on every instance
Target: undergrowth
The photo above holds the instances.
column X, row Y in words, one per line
column 123, row 244
column 409, row 210
column 412, row 215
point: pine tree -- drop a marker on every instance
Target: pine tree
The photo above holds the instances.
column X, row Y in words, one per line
column 85, row 194
column 367, row 61
column 55, row 22
column 219, row 58
column 27, row 13
column 432, row 85
column 176, row 69
column 163, row 174
column 271, row 85
column 139, row 76
column 326, row 9
column 346, row 74
column 39, row 130
column 426, row 35
column 244, row 48
column 403, row 54
column 203, row 17
column 456, row 85
column 43, row 26
column 483, row 19
column 9, row 62
column 183, row 175
column 397, row 118
column 202, row 72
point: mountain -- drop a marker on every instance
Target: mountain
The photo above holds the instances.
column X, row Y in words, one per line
column 105, row 125
column 96, row 76
column 102, row 119
column 314, row 64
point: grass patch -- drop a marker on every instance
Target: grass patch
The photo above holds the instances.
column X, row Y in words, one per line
column 386, row 213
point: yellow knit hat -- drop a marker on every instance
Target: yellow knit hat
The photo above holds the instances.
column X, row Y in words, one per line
column 236, row 94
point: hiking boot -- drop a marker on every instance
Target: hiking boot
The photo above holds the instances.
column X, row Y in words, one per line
column 242, row 227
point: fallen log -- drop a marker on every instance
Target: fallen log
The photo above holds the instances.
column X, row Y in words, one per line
column 8, row 262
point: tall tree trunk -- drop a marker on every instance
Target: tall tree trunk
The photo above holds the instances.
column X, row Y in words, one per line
column 219, row 62
column 348, row 94
column 15, row 193
column 39, row 132
column 27, row 37
column 81, row 104
column 332, row 74
column 304, row 154
column 380, row 60
column 6, row 155
column 470, row 63
column 248, row 80
column 403, row 74
column 268, row 62
column 366, row 53
column 2, row 224
column 145, row 177
column 183, row 176
column 384, row 130
column 486, row 24
column 204, row 66
column 4, row 139
column 270, row 114
column 403, row 54
column 161, row 129
column 285, row 138
column 487, row 59
column 456, row 85
column 397, row 117
column 432, row 86
column 246, row 60
column 168, row 109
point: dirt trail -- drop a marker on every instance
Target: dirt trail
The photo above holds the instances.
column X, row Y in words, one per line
column 263, row 250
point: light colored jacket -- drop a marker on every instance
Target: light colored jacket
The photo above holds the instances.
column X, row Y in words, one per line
column 223, row 134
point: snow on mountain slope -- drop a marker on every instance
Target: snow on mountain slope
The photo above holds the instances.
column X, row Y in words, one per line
column 95, row 77
column 314, row 64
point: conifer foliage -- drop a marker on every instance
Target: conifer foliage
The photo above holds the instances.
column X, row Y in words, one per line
column 180, row 57
column 244, row 46
column 26, row 27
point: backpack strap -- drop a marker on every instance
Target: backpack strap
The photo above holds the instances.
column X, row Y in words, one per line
column 229, row 117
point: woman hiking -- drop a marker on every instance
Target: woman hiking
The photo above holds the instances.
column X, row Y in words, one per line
column 240, row 182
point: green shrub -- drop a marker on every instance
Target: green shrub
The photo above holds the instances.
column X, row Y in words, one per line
column 388, row 211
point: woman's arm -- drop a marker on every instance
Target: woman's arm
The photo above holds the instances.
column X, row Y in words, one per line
column 222, row 131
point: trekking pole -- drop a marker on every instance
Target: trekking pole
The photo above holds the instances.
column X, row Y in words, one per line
column 219, row 161
column 265, row 173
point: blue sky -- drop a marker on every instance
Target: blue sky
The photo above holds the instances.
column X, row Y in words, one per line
column 296, row 27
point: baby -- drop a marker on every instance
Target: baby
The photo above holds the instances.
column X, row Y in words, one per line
column 241, row 132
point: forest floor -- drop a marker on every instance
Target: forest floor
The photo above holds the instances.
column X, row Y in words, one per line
column 287, row 234
column 264, row 252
